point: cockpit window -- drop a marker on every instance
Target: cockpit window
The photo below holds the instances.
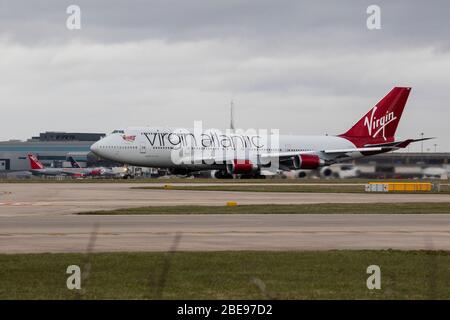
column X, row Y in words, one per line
column 118, row 131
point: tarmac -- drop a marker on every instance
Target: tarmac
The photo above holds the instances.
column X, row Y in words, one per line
column 224, row 232
column 31, row 199
column 39, row 218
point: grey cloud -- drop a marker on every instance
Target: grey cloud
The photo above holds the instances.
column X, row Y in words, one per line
column 301, row 66
column 332, row 24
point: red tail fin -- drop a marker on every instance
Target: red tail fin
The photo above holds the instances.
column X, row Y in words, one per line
column 35, row 163
column 380, row 123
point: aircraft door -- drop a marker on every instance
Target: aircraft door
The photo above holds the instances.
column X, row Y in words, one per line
column 143, row 148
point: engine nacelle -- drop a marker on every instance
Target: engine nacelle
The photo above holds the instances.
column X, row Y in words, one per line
column 307, row 161
column 241, row 166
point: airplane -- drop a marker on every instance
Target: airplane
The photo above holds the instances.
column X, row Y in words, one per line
column 185, row 150
column 99, row 171
column 87, row 171
column 38, row 169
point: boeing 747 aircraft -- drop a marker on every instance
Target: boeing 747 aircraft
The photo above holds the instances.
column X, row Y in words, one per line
column 186, row 150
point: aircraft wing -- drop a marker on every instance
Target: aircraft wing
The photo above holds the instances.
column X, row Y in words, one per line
column 369, row 149
column 208, row 158
column 286, row 154
column 221, row 157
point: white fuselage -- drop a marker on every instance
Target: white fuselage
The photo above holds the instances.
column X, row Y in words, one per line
column 155, row 147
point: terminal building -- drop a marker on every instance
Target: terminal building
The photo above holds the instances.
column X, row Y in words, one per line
column 404, row 165
column 51, row 148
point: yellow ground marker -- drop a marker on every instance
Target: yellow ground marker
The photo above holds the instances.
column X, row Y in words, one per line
column 231, row 204
column 399, row 186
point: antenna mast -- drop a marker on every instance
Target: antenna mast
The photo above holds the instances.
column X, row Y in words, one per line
column 231, row 115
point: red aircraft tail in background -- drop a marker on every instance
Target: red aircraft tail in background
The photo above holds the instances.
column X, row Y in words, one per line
column 35, row 163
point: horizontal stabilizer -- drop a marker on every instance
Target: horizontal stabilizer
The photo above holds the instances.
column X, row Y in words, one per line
column 398, row 144
column 382, row 147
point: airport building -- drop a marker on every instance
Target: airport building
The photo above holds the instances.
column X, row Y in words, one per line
column 404, row 165
column 52, row 149
column 66, row 136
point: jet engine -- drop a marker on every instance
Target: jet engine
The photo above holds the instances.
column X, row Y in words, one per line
column 307, row 161
column 241, row 166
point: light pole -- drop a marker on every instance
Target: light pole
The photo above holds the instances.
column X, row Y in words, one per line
column 435, row 147
column 421, row 143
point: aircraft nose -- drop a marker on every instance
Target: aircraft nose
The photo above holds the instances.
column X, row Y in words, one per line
column 95, row 147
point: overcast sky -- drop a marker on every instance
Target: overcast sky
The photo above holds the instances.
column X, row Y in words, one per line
column 298, row 66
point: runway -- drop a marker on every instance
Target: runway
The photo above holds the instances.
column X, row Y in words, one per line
column 39, row 218
column 224, row 232
column 36, row 199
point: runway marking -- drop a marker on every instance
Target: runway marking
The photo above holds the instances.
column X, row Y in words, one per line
column 23, row 204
